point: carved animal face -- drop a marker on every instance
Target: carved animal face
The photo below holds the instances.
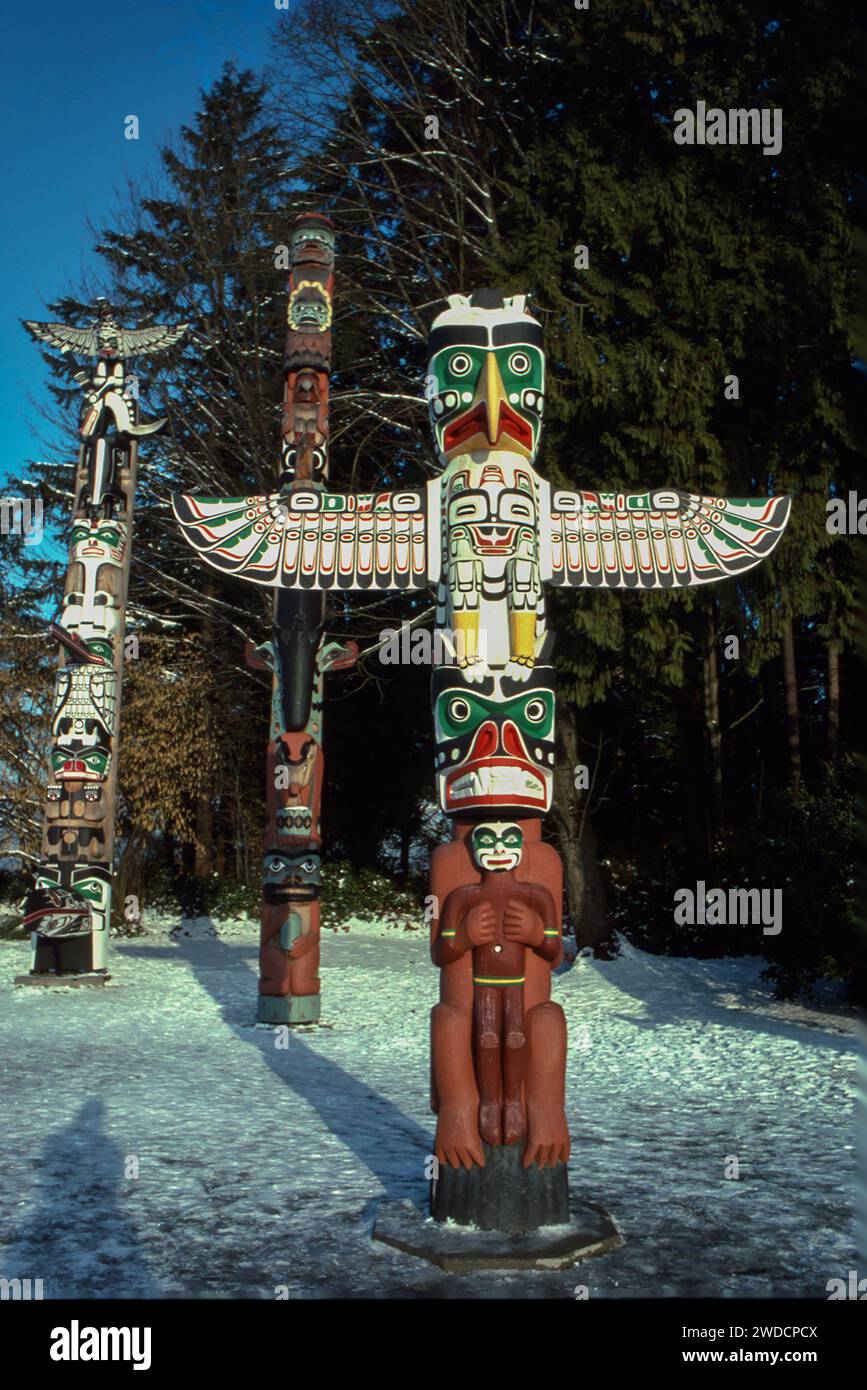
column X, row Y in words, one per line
column 495, row 742
column 291, row 876
column 312, row 239
column 497, row 845
column 74, row 763
column 486, row 377
column 78, row 885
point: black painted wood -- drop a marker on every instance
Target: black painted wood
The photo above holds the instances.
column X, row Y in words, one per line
column 502, row 1196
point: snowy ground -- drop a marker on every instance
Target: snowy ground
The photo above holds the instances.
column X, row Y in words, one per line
column 261, row 1167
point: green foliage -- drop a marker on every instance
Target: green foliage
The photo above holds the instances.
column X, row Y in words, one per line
column 347, row 892
column 805, row 844
column 367, row 894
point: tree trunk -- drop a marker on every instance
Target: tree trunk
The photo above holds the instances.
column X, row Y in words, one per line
column 405, row 842
column 833, row 725
column 790, row 686
column 710, row 672
column 130, row 878
column 204, row 822
column 204, row 835
column 585, row 891
column 691, row 746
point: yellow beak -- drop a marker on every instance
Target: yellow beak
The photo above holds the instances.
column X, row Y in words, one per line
column 491, row 390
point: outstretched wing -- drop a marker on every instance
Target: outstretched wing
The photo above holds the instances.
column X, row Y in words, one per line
column 59, row 335
column 134, row 341
column 313, row 540
column 657, row 540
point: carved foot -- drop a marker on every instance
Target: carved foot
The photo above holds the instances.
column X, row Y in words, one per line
column 458, row 1142
column 518, row 670
column 548, row 1141
column 474, row 668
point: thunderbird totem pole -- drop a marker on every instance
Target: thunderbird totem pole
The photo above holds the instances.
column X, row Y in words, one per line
column 297, row 655
column 68, row 909
column 489, row 533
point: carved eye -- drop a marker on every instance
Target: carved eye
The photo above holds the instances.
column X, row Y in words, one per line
column 460, row 364
column 309, row 866
column 534, row 710
column 459, row 710
column 519, row 363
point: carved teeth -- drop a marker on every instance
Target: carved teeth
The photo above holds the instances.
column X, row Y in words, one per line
column 497, row 781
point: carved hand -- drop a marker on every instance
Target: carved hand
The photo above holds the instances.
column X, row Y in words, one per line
column 520, row 923
column 303, row 946
column 480, row 925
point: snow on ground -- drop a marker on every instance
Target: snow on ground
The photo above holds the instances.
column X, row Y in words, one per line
column 261, row 1167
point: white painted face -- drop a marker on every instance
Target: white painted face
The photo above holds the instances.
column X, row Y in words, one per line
column 497, row 845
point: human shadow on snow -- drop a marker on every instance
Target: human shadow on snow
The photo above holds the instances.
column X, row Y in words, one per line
column 76, row 1229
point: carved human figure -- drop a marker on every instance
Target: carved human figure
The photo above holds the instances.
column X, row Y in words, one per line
column 499, row 1049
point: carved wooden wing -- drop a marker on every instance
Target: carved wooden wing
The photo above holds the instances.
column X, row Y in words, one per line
column 308, row 539
column 134, row 342
column 656, row 540
column 84, row 341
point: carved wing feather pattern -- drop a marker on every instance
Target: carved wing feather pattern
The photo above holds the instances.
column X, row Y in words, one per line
column 135, row 341
column 87, row 342
column 312, row 540
column 658, row 540
column 59, row 335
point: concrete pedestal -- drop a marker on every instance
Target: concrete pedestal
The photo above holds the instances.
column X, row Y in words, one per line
column 457, row 1249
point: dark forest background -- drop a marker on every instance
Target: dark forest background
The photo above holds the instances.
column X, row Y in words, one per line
column 552, row 130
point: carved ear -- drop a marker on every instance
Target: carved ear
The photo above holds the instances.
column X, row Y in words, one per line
column 458, row 301
column 518, row 302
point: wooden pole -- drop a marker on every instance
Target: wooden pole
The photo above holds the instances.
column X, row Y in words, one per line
column 68, row 909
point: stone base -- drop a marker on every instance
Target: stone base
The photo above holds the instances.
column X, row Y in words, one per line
column 281, row 1008
column 458, row 1249
column 502, row 1196
column 78, row 980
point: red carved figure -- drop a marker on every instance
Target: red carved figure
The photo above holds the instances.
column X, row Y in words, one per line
column 499, row 1044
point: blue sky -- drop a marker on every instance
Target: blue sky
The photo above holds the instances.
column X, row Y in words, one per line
column 70, row 72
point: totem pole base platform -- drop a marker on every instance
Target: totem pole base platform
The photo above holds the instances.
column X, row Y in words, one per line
column 279, row 1008
column 460, row 1249
column 48, row 979
column 502, row 1196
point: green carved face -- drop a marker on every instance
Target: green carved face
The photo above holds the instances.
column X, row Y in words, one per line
column 497, row 845
column 312, row 234
column 80, row 764
column 461, row 712
column 309, row 307
column 98, row 541
column 486, row 380
column 495, row 742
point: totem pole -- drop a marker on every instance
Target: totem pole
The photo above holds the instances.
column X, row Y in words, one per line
column 297, row 655
column 69, row 907
column 490, row 533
